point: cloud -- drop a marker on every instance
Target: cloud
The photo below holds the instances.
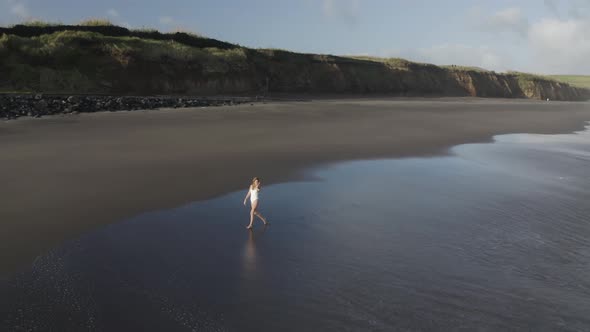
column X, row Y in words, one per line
column 561, row 45
column 506, row 20
column 113, row 13
column 117, row 19
column 172, row 24
column 328, row 7
column 345, row 11
column 19, row 9
column 579, row 9
column 166, row 20
column 557, row 43
column 552, row 6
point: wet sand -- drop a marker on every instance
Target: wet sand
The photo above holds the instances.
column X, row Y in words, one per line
column 62, row 176
column 490, row 238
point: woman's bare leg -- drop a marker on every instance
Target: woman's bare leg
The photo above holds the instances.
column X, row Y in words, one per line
column 252, row 212
column 256, row 213
column 251, row 219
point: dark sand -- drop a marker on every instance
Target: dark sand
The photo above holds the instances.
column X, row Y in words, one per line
column 62, row 176
column 492, row 238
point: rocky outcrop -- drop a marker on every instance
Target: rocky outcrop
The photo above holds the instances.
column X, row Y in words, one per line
column 13, row 106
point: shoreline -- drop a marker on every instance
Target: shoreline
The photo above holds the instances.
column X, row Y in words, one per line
column 65, row 175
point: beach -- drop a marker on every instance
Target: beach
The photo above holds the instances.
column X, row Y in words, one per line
column 490, row 237
column 63, row 176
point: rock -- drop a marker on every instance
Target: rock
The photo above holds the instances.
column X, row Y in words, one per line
column 42, row 103
column 13, row 106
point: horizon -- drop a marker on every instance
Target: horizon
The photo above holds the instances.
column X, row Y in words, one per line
column 541, row 37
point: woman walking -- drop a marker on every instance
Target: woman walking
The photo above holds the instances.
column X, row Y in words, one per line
column 253, row 193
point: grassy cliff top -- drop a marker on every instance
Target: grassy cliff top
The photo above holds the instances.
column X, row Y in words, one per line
column 581, row 81
column 46, row 34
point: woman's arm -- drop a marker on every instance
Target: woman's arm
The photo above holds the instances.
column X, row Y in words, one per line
column 247, row 195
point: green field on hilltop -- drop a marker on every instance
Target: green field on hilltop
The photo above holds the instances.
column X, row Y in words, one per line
column 582, row 81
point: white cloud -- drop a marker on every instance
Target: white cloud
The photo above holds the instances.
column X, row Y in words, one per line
column 552, row 6
column 343, row 10
column 19, row 9
column 505, row 20
column 166, row 20
column 113, row 13
column 559, row 43
column 328, row 7
column 172, row 24
column 561, row 46
column 510, row 16
column 571, row 8
column 117, row 19
column 580, row 9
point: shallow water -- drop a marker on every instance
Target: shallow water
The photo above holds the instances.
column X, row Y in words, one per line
column 494, row 237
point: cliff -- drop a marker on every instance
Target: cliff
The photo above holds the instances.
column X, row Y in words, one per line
column 114, row 60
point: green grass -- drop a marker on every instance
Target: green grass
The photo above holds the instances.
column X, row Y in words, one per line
column 95, row 22
column 145, row 30
column 530, row 76
column 65, row 44
column 527, row 81
column 466, row 68
column 38, row 23
column 397, row 63
column 87, row 22
column 581, row 81
column 80, row 60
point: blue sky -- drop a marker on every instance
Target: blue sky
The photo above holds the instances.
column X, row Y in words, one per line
column 542, row 36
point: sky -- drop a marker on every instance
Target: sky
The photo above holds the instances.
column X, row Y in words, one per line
column 539, row 36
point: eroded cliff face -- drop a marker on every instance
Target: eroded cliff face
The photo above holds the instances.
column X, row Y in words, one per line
column 341, row 76
column 145, row 78
column 489, row 84
column 118, row 61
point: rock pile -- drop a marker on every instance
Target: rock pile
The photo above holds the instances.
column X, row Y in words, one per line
column 14, row 106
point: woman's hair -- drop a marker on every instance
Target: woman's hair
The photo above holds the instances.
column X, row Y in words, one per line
column 254, row 180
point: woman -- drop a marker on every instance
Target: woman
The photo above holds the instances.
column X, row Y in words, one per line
column 253, row 192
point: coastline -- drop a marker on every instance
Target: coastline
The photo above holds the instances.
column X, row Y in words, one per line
column 65, row 175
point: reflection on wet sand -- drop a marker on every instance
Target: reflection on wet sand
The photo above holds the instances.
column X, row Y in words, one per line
column 249, row 257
